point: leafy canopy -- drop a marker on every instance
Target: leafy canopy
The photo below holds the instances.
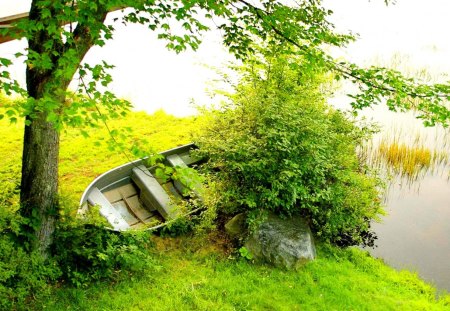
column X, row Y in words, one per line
column 181, row 23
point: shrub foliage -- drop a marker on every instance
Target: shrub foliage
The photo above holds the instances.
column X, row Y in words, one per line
column 275, row 145
column 23, row 275
column 83, row 252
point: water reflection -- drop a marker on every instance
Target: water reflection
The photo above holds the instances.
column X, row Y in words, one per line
column 415, row 161
column 415, row 235
column 408, row 155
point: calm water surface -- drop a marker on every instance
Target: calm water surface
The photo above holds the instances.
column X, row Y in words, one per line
column 415, row 235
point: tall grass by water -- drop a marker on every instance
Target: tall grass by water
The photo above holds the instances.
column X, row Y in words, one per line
column 405, row 159
column 409, row 155
column 404, row 149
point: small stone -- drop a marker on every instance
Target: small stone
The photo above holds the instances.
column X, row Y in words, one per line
column 235, row 227
column 286, row 243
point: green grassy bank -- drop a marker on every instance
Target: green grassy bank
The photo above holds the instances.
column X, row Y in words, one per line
column 196, row 276
column 200, row 272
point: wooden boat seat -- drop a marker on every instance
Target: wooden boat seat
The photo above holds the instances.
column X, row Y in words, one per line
column 107, row 210
column 152, row 193
column 188, row 158
column 175, row 160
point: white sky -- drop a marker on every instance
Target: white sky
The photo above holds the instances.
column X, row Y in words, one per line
column 152, row 78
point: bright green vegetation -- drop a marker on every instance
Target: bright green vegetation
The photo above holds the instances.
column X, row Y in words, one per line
column 55, row 54
column 276, row 145
column 194, row 276
column 192, row 273
column 41, row 246
column 321, row 178
column 83, row 252
column 81, row 160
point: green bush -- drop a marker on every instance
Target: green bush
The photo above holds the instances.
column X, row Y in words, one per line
column 86, row 251
column 83, row 252
column 22, row 275
column 276, row 145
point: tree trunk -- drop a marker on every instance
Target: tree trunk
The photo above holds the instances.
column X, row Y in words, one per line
column 39, row 184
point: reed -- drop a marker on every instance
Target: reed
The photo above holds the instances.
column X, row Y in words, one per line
column 407, row 153
column 405, row 150
column 406, row 160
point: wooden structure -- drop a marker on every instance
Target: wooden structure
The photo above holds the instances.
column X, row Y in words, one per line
column 6, row 22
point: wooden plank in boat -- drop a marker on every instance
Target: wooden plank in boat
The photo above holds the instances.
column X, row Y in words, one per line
column 147, row 201
column 173, row 191
column 188, row 159
column 175, row 160
column 153, row 219
column 138, row 209
column 122, row 209
column 115, row 194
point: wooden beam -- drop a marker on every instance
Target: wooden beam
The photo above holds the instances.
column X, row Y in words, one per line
column 7, row 21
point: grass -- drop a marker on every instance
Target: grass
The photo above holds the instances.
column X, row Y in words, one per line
column 408, row 155
column 194, row 275
column 404, row 159
column 83, row 159
column 199, row 273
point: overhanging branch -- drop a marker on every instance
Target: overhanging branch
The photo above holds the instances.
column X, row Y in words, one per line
column 344, row 69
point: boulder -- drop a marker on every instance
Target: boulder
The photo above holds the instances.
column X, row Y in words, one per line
column 286, row 243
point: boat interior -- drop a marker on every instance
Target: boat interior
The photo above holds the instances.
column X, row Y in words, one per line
column 139, row 199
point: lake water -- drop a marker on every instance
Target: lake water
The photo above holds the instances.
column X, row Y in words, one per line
column 415, row 235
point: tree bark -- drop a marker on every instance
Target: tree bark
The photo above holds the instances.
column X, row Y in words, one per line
column 39, row 184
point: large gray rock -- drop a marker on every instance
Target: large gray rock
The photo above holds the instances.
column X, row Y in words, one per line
column 286, row 243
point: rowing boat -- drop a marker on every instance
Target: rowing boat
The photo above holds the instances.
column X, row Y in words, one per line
column 132, row 196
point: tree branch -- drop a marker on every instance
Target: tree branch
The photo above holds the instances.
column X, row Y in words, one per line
column 341, row 68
